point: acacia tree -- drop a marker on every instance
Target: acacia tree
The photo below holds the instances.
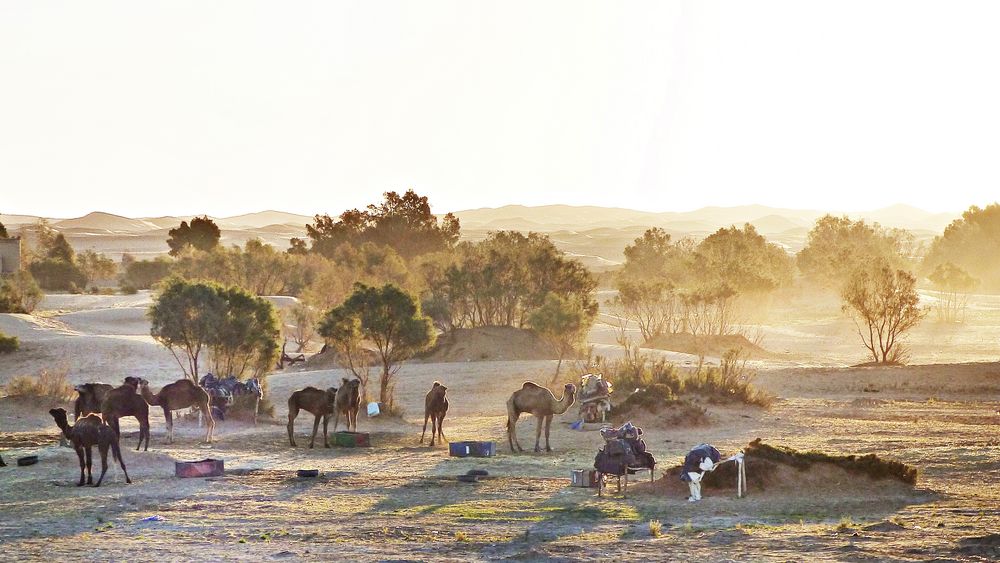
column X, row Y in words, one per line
column 563, row 322
column 956, row 284
column 202, row 234
column 837, row 246
column 238, row 330
column 388, row 318
column 883, row 302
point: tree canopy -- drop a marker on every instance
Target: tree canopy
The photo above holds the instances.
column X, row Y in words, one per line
column 404, row 223
column 970, row 243
column 563, row 321
column 837, row 246
column 202, row 234
column 388, row 318
column 238, row 330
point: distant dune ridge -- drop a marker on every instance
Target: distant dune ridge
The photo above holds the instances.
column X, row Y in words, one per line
column 594, row 235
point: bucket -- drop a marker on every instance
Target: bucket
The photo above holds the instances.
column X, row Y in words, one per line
column 373, row 410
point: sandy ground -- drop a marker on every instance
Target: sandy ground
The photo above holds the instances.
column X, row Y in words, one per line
column 399, row 500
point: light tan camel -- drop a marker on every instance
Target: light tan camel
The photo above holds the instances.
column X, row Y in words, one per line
column 435, row 407
column 319, row 403
column 180, row 394
column 87, row 432
column 348, row 402
column 125, row 401
column 540, row 402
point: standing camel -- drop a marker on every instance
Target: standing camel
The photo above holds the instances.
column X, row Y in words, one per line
column 539, row 401
column 317, row 402
column 348, row 402
column 124, row 400
column 180, row 394
column 435, row 407
column 86, row 433
column 90, row 398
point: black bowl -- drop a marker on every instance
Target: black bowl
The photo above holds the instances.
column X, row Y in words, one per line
column 28, row 460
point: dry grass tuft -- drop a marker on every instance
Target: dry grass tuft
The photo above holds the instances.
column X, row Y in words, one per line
column 655, row 528
column 45, row 387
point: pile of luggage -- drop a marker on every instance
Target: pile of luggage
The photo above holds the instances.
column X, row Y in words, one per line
column 594, row 398
column 222, row 391
column 624, row 451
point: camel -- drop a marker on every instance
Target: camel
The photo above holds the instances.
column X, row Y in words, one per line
column 348, row 402
column 90, row 399
column 180, row 394
column 539, row 401
column 435, row 407
column 86, row 433
column 319, row 403
column 124, row 400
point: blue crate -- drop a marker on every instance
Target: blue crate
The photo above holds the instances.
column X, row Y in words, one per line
column 472, row 449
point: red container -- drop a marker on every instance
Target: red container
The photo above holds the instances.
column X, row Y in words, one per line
column 203, row 468
column 352, row 439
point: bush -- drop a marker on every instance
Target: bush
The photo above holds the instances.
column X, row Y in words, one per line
column 58, row 275
column 46, row 387
column 128, row 289
column 731, row 382
column 19, row 293
column 8, row 344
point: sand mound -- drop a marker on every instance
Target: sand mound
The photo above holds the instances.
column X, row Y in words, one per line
column 487, row 344
column 783, row 471
column 707, row 345
column 657, row 405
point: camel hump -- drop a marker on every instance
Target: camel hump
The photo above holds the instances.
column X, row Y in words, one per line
column 530, row 385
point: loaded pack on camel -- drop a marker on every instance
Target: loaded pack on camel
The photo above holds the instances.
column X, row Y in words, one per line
column 224, row 391
column 595, row 398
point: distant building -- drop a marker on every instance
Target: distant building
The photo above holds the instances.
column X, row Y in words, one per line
column 10, row 255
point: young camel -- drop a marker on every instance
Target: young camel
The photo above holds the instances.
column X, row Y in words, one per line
column 348, row 402
column 319, row 403
column 91, row 395
column 180, row 394
column 540, row 402
column 125, row 401
column 435, row 407
column 86, row 433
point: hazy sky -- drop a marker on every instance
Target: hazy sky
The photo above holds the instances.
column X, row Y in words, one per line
column 144, row 108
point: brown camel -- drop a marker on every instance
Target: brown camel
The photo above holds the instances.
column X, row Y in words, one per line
column 124, row 400
column 319, row 403
column 348, row 402
column 539, row 401
column 435, row 407
column 180, row 394
column 86, row 433
column 90, row 399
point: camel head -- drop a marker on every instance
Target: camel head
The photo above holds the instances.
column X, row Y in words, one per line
column 331, row 395
column 570, row 390
column 438, row 384
column 81, row 388
column 60, row 417
column 133, row 382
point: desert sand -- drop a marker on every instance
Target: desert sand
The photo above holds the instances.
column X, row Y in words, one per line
column 399, row 500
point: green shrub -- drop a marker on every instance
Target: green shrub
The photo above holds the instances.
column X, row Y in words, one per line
column 19, row 293
column 8, row 344
column 128, row 289
column 58, row 275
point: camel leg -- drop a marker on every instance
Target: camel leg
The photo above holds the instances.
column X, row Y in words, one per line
column 210, row 422
column 422, row 434
column 441, row 429
column 170, row 424
column 433, row 429
column 548, row 426
column 90, row 475
column 353, row 414
column 336, row 420
column 83, row 465
column 326, row 424
column 512, row 432
column 103, row 449
column 293, row 412
column 315, row 429
column 117, row 453
column 538, row 432
column 256, row 407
